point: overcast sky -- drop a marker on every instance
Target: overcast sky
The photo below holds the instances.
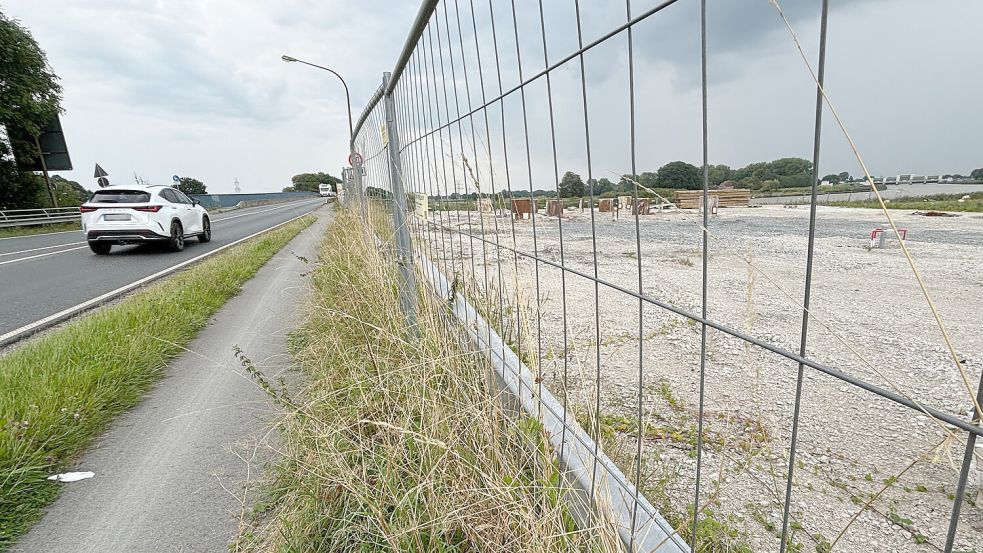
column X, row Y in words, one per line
column 197, row 88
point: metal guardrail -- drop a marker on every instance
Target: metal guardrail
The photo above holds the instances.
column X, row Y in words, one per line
column 29, row 217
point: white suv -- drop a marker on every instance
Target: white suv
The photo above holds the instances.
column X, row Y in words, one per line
column 135, row 214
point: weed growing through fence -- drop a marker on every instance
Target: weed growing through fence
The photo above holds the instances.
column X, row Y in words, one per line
column 398, row 444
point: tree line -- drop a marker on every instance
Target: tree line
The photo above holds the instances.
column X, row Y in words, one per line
column 309, row 182
column 786, row 172
column 30, row 97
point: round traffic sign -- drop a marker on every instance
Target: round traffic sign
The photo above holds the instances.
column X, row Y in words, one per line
column 176, row 178
column 103, row 182
column 354, row 159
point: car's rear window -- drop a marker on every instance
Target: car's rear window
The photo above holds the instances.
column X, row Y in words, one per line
column 120, row 197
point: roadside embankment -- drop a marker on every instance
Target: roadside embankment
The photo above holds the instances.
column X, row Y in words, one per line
column 60, row 391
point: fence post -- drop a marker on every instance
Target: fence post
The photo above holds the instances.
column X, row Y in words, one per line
column 359, row 195
column 404, row 245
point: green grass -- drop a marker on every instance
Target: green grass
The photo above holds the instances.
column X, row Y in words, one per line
column 38, row 229
column 396, row 444
column 61, row 390
column 937, row 202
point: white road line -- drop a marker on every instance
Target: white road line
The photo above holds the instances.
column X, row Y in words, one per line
column 41, row 234
column 40, row 255
column 254, row 212
column 40, row 324
column 82, row 247
column 44, row 248
column 215, row 220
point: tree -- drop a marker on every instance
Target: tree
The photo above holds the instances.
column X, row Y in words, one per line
column 977, row 174
column 845, row 177
column 29, row 91
column 189, row 185
column 791, row 166
column 29, row 97
column 572, row 186
column 831, row 178
column 679, row 175
column 718, row 174
column 603, row 186
column 309, row 182
column 69, row 192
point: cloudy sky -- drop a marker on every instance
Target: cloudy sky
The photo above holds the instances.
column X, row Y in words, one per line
column 197, row 87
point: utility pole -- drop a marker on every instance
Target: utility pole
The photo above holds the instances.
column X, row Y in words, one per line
column 44, row 169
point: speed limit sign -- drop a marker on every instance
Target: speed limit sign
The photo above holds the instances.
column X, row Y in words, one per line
column 354, row 159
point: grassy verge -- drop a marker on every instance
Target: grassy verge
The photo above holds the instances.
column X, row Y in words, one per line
column 60, row 391
column 39, row 229
column 937, row 202
column 396, row 444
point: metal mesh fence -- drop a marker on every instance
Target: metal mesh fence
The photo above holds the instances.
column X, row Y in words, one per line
column 690, row 388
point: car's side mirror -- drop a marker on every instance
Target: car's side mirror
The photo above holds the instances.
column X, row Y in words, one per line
column 195, row 201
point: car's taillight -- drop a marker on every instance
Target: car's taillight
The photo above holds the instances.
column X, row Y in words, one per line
column 148, row 208
column 87, row 209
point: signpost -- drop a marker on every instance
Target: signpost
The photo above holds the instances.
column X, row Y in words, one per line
column 177, row 181
column 100, row 175
column 51, row 152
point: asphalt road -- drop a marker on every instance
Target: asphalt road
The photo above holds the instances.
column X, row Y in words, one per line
column 44, row 274
column 180, row 471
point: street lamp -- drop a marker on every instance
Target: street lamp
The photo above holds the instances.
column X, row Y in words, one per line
column 348, row 99
column 352, row 158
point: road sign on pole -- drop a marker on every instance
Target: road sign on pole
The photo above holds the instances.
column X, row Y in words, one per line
column 100, row 172
column 177, row 181
column 355, row 158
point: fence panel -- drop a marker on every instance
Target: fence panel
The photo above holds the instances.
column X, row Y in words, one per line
column 686, row 405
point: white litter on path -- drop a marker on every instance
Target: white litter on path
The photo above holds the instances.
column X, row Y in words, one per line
column 71, row 476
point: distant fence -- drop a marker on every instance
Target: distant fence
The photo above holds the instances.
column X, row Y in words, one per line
column 214, row 201
column 31, row 217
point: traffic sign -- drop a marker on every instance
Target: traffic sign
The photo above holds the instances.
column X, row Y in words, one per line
column 100, row 172
column 355, row 158
column 176, row 179
column 103, row 182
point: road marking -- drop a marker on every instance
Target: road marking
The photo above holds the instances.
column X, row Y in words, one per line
column 44, row 248
column 41, row 234
column 254, row 212
column 40, row 255
column 82, row 247
column 214, row 220
column 40, row 324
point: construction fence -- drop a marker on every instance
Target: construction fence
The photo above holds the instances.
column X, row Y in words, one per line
column 709, row 379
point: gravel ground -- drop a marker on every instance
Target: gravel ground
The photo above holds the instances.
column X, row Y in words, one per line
column 869, row 319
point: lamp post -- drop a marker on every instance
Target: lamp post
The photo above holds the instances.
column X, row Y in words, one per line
column 353, row 158
column 348, row 99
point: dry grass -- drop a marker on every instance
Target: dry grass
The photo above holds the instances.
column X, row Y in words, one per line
column 396, row 444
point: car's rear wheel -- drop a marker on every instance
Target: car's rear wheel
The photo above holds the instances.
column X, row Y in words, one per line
column 206, row 230
column 100, row 248
column 176, row 241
